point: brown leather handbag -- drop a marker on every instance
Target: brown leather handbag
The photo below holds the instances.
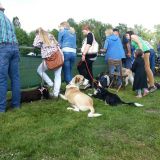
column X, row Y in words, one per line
column 55, row 60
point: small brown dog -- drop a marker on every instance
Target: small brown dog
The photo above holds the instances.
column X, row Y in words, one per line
column 78, row 100
column 129, row 75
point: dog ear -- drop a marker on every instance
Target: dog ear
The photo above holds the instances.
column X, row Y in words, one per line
column 77, row 79
column 46, row 93
column 105, row 81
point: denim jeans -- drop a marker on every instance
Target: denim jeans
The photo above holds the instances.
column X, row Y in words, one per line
column 152, row 60
column 57, row 77
column 69, row 59
column 129, row 61
column 111, row 71
column 9, row 65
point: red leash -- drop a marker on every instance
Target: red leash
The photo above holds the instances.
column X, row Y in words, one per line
column 93, row 80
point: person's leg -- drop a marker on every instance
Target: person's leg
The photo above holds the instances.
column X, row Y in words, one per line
column 152, row 60
column 69, row 59
column 111, row 71
column 66, row 67
column 119, row 77
column 15, row 77
column 139, row 93
column 57, row 82
column 128, row 63
column 89, row 70
column 148, row 69
column 72, row 61
column 82, row 69
column 4, row 64
column 41, row 71
column 145, row 91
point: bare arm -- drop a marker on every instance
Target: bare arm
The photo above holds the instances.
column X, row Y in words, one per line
column 128, row 49
column 135, row 38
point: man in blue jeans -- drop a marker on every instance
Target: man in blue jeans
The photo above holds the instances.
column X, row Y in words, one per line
column 9, row 62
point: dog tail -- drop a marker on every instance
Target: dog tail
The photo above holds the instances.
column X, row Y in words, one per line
column 90, row 114
column 63, row 96
column 133, row 104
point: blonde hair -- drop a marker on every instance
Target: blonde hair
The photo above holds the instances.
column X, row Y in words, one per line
column 108, row 32
column 44, row 36
column 65, row 25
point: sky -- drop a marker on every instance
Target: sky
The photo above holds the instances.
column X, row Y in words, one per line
column 48, row 14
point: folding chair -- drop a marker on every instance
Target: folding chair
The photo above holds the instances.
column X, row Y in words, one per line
column 116, row 74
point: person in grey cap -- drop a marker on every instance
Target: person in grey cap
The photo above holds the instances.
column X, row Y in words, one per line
column 9, row 62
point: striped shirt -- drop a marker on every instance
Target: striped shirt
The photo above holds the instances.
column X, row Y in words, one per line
column 148, row 44
column 7, row 34
column 46, row 51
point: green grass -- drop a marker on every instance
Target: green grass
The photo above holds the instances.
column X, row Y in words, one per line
column 46, row 130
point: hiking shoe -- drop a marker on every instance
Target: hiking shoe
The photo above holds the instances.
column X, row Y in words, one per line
column 152, row 89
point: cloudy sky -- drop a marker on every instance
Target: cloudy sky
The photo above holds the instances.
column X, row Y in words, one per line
column 49, row 13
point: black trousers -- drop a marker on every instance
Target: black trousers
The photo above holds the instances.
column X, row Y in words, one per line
column 85, row 69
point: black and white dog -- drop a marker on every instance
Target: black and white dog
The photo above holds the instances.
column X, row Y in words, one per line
column 102, row 93
column 35, row 94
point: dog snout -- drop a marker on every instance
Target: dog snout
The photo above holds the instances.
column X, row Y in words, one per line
column 85, row 82
column 95, row 91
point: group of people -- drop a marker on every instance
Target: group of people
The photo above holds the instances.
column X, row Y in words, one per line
column 114, row 48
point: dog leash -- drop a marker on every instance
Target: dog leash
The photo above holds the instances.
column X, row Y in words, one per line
column 93, row 80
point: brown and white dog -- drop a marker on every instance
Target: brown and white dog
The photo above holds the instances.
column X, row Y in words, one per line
column 129, row 75
column 78, row 100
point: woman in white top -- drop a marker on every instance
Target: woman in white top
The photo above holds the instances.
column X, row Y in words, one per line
column 48, row 46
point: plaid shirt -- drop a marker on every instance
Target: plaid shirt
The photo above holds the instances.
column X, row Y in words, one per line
column 7, row 34
column 46, row 51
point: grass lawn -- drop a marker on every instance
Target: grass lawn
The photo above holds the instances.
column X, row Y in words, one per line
column 46, row 130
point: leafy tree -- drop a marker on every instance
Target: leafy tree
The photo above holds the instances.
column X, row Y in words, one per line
column 55, row 33
column 31, row 37
column 22, row 36
column 98, row 29
column 23, row 40
column 143, row 32
column 122, row 29
column 157, row 33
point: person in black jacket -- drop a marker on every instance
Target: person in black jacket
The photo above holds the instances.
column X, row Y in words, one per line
column 89, row 54
column 140, row 77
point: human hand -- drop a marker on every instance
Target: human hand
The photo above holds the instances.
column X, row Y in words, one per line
column 83, row 57
column 102, row 50
column 128, row 54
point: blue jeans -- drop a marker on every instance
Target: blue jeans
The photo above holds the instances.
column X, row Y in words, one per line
column 9, row 65
column 112, row 69
column 152, row 60
column 129, row 61
column 69, row 59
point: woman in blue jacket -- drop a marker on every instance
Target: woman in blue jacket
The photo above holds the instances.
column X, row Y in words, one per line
column 114, row 50
column 67, row 41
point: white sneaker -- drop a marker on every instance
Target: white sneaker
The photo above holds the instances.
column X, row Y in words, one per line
column 53, row 96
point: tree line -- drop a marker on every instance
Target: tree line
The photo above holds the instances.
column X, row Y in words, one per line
column 98, row 28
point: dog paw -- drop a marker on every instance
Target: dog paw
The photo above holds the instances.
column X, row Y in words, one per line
column 90, row 94
column 62, row 97
column 69, row 108
column 90, row 115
